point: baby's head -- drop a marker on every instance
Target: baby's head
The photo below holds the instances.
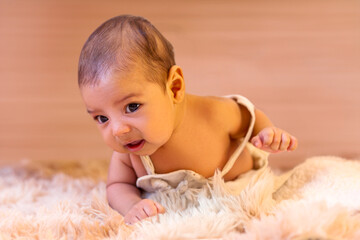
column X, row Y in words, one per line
column 119, row 45
column 130, row 85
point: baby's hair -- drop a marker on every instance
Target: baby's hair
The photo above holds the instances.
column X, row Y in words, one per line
column 121, row 43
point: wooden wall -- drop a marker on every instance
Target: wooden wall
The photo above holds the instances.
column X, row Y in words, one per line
column 299, row 61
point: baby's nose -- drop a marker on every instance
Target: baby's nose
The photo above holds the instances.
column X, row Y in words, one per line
column 120, row 128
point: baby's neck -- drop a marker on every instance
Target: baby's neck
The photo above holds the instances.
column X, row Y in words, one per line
column 183, row 120
column 181, row 114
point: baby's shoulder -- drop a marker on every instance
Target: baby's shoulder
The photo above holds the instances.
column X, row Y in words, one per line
column 230, row 115
column 121, row 157
column 124, row 162
column 222, row 110
column 223, row 106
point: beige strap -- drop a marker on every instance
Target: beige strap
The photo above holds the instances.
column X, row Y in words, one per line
column 245, row 102
column 149, row 167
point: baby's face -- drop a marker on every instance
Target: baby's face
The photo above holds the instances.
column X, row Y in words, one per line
column 132, row 114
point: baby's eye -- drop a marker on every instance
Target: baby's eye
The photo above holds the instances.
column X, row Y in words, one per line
column 101, row 119
column 132, row 107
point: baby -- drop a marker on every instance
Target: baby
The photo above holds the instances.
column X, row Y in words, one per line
column 135, row 92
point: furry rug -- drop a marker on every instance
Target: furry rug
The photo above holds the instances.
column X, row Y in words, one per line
column 319, row 199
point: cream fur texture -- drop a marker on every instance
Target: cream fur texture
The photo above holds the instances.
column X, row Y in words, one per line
column 319, row 199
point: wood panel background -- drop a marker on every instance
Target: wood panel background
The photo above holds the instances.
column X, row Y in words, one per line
column 299, row 61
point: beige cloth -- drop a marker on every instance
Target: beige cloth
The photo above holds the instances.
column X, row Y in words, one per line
column 186, row 184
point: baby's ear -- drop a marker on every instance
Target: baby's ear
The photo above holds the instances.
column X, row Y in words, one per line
column 176, row 84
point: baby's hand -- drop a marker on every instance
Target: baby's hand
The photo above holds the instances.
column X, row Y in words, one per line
column 273, row 140
column 143, row 209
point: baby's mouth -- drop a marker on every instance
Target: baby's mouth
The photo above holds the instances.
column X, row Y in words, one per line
column 135, row 145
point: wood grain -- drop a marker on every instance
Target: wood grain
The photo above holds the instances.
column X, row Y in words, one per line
column 299, row 61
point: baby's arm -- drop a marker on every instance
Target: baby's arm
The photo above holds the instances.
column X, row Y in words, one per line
column 122, row 193
column 270, row 138
column 264, row 136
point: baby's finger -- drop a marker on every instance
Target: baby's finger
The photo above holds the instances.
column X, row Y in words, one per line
column 136, row 219
column 256, row 141
column 139, row 212
column 131, row 219
column 160, row 208
column 275, row 145
column 267, row 137
column 293, row 144
column 285, row 141
column 150, row 210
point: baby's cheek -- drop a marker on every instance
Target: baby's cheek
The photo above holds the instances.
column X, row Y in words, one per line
column 111, row 142
column 159, row 131
column 105, row 137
